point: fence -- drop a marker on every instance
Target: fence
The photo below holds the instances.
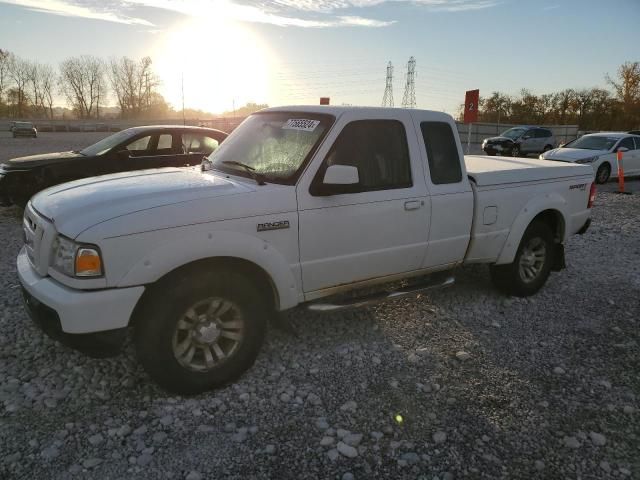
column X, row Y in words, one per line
column 226, row 124
column 480, row 131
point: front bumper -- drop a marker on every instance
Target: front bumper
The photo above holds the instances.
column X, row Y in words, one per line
column 4, row 194
column 494, row 149
column 77, row 311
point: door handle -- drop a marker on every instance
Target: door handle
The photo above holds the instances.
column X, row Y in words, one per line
column 413, row 204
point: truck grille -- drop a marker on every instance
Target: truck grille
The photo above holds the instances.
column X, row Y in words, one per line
column 38, row 237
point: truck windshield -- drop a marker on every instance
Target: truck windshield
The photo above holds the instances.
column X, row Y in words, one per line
column 274, row 145
column 514, row 133
column 595, row 142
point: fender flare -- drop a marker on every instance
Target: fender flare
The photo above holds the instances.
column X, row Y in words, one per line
column 169, row 256
column 535, row 206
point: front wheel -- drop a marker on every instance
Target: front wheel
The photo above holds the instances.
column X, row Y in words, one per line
column 531, row 266
column 202, row 331
column 603, row 173
column 515, row 151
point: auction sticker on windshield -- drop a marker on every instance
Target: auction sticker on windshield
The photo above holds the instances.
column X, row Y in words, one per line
column 301, row 124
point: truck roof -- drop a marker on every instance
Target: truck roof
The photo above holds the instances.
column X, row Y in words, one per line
column 338, row 110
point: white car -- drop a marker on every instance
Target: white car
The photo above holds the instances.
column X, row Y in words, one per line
column 300, row 205
column 600, row 151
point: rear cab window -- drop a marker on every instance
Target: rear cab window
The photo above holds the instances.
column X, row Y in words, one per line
column 442, row 153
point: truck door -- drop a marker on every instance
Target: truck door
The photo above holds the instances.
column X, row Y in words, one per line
column 379, row 229
column 449, row 188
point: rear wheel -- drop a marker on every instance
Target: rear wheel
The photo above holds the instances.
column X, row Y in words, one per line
column 531, row 266
column 603, row 173
column 201, row 332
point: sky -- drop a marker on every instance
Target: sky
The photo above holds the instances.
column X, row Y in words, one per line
column 230, row 52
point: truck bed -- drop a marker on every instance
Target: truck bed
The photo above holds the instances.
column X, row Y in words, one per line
column 485, row 170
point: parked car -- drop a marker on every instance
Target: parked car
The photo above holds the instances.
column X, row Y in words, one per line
column 520, row 141
column 132, row 149
column 23, row 129
column 298, row 206
column 600, row 150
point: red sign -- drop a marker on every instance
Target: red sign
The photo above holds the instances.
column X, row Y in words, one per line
column 324, row 100
column 471, row 100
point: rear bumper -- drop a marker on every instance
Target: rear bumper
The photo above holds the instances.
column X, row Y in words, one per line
column 585, row 227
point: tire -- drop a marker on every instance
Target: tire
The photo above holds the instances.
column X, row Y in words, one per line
column 546, row 148
column 515, row 151
column 185, row 315
column 514, row 280
column 603, row 173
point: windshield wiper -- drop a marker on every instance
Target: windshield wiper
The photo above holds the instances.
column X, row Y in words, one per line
column 258, row 177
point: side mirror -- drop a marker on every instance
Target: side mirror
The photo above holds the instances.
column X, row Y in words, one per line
column 526, row 137
column 622, row 149
column 338, row 179
column 341, row 175
column 123, row 155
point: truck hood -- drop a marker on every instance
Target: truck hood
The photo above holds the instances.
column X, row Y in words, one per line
column 76, row 206
column 32, row 161
column 572, row 154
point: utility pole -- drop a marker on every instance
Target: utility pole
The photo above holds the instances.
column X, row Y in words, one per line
column 387, row 99
column 183, row 120
column 409, row 98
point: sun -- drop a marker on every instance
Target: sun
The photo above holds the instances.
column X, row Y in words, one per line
column 223, row 65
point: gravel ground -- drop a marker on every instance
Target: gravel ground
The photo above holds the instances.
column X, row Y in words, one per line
column 463, row 383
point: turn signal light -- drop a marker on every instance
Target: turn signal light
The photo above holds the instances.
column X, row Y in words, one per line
column 88, row 263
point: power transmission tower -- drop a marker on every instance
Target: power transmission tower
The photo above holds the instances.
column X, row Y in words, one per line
column 409, row 98
column 387, row 99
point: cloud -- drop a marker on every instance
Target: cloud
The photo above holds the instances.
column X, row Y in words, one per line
column 66, row 9
column 283, row 13
column 551, row 7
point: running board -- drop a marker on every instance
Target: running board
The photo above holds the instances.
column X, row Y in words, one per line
column 381, row 297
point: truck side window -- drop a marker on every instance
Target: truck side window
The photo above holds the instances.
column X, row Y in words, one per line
column 378, row 148
column 442, row 152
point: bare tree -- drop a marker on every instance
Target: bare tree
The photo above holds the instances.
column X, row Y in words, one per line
column 19, row 72
column 47, row 80
column 627, row 89
column 5, row 57
column 82, row 81
column 133, row 84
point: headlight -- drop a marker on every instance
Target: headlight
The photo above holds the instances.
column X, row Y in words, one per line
column 76, row 260
column 588, row 160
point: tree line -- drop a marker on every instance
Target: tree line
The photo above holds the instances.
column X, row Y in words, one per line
column 592, row 109
column 29, row 89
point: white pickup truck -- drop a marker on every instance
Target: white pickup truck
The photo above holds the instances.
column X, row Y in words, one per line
column 299, row 206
